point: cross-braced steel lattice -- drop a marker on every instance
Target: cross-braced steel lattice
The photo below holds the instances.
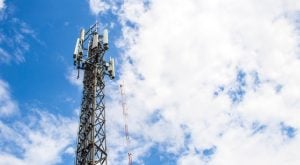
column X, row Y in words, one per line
column 91, row 142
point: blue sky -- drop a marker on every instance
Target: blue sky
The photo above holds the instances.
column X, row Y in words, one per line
column 207, row 82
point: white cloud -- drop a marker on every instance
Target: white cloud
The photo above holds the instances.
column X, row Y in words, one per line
column 4, row 56
column 7, row 105
column 98, row 6
column 14, row 37
column 35, row 136
column 179, row 53
column 39, row 138
column 2, row 4
column 72, row 77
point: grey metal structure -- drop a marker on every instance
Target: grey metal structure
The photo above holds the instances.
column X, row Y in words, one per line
column 89, row 56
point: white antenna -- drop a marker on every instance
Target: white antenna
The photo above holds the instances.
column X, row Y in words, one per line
column 111, row 68
column 105, row 36
column 76, row 48
column 105, row 39
column 82, row 31
column 95, row 41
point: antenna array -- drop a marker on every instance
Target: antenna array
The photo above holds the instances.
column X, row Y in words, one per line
column 89, row 56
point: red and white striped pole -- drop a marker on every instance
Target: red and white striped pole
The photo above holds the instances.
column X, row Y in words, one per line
column 125, row 116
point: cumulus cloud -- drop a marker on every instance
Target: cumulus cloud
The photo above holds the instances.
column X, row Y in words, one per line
column 2, row 4
column 4, row 56
column 213, row 82
column 72, row 77
column 14, row 39
column 36, row 137
column 7, row 105
column 39, row 138
column 98, row 6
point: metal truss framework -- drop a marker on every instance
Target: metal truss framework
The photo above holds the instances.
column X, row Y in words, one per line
column 91, row 142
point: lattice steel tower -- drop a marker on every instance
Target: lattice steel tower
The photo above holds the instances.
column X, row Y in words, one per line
column 89, row 56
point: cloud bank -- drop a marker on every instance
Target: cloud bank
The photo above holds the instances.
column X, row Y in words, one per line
column 33, row 136
column 210, row 82
column 15, row 36
column 2, row 4
column 98, row 6
column 39, row 138
column 7, row 105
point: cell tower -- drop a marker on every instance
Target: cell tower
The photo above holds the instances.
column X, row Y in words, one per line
column 89, row 57
column 125, row 116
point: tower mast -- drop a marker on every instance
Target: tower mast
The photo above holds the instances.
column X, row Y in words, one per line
column 125, row 116
column 89, row 57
